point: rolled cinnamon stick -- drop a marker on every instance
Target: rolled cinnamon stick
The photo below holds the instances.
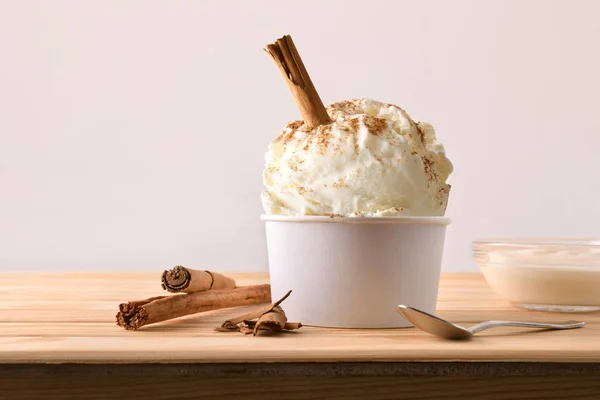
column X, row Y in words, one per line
column 248, row 327
column 134, row 315
column 186, row 280
column 232, row 323
column 288, row 60
column 270, row 317
column 274, row 320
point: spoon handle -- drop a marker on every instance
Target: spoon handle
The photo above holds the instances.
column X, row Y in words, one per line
column 494, row 324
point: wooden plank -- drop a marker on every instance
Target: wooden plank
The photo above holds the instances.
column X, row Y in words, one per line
column 205, row 322
column 123, row 286
column 205, row 346
column 101, row 286
column 40, row 321
column 297, row 383
column 299, row 388
column 104, row 312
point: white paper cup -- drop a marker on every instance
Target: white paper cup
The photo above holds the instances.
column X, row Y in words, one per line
column 353, row 272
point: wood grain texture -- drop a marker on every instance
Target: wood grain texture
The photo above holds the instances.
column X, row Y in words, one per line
column 300, row 381
column 69, row 317
column 300, row 388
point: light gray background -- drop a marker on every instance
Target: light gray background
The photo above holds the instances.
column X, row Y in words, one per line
column 132, row 133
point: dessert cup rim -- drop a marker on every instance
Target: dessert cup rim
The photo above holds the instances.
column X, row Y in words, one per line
column 430, row 220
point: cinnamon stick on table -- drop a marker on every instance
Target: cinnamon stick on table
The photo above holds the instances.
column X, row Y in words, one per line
column 288, row 60
column 134, row 315
column 274, row 320
column 232, row 323
column 270, row 317
column 186, row 280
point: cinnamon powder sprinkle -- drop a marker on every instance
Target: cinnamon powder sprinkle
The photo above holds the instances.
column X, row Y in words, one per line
column 346, row 107
column 295, row 124
column 330, row 215
column 340, row 183
column 429, row 171
column 421, row 134
column 354, row 125
column 286, row 136
column 375, row 125
column 288, row 133
column 322, row 137
column 295, row 162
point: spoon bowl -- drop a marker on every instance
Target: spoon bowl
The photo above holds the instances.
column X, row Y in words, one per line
column 447, row 330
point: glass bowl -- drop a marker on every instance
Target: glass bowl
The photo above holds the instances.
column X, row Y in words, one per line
column 543, row 274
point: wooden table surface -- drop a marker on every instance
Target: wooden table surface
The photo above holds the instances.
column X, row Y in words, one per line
column 69, row 317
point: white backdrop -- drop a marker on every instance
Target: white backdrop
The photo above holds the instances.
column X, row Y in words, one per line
column 132, row 133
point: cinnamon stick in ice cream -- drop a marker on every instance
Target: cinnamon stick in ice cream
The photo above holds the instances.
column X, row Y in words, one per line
column 186, row 280
column 288, row 60
column 134, row 315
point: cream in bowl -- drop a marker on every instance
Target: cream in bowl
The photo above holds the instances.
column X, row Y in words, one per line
column 543, row 274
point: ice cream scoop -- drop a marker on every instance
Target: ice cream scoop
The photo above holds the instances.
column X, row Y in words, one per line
column 372, row 159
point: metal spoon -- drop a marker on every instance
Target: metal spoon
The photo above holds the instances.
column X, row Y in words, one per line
column 447, row 330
